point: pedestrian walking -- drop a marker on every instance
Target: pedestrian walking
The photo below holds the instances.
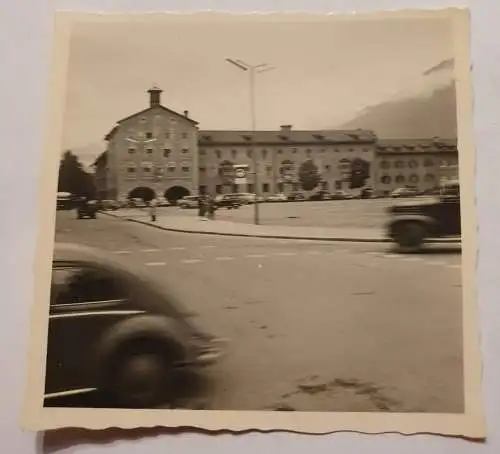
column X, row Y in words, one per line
column 202, row 207
column 211, row 208
column 153, row 204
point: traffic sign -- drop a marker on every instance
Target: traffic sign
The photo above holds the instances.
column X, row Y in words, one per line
column 240, row 173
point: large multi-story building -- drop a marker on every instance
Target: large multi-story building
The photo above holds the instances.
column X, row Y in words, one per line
column 150, row 153
column 159, row 152
column 278, row 156
column 418, row 163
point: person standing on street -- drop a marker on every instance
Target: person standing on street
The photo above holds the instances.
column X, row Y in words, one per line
column 202, row 206
column 211, row 207
column 153, row 204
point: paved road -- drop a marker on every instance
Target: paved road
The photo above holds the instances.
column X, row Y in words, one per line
column 313, row 326
column 332, row 213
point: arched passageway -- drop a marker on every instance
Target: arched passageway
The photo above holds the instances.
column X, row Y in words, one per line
column 175, row 193
column 142, row 192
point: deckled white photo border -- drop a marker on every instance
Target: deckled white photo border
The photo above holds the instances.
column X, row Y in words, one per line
column 469, row 424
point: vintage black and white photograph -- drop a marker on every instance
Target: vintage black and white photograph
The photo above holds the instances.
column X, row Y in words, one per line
column 259, row 213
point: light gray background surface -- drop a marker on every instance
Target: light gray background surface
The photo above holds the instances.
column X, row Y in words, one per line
column 24, row 58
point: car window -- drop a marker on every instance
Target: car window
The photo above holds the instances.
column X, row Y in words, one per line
column 72, row 285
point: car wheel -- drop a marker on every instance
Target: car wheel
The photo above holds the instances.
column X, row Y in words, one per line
column 410, row 236
column 141, row 376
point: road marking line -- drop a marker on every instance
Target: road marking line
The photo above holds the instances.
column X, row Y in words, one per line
column 191, row 261
column 285, row 254
column 224, row 258
column 313, row 252
column 177, row 249
column 431, row 262
column 412, row 259
column 390, row 256
column 374, row 253
column 455, row 266
column 155, row 263
column 255, row 256
column 207, row 246
column 123, row 252
column 150, row 250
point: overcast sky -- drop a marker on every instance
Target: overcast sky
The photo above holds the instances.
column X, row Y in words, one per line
column 326, row 70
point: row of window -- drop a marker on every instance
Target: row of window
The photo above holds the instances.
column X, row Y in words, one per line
column 412, row 164
column 266, row 187
column 167, row 135
column 387, row 179
column 149, row 151
column 264, row 152
column 158, row 171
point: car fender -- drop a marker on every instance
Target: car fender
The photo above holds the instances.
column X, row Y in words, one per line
column 152, row 327
column 399, row 219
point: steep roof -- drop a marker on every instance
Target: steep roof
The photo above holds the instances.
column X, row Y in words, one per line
column 113, row 131
column 417, row 145
column 101, row 159
column 285, row 137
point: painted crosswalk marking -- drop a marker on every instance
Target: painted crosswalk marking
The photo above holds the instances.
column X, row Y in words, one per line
column 150, row 250
column 177, row 248
column 223, row 259
column 155, row 263
column 123, row 252
column 191, row 261
column 255, row 256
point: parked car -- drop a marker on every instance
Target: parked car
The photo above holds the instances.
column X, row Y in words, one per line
column 340, row 195
column 296, row 197
column 114, row 331
column 109, row 205
column 136, row 203
column 162, row 202
column 276, row 198
column 321, row 195
column 190, row 201
column 367, row 193
column 404, row 192
column 412, row 223
column 246, row 198
column 87, row 209
column 229, row 201
column 65, row 201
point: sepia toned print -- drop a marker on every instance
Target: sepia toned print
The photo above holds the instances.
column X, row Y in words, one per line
column 274, row 231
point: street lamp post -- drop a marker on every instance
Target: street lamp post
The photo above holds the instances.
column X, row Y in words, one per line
column 252, row 71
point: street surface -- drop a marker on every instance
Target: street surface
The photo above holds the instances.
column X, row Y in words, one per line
column 313, row 326
column 364, row 213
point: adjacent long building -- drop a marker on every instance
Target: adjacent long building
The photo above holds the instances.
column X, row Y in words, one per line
column 160, row 152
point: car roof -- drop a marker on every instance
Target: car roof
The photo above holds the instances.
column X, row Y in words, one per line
column 153, row 296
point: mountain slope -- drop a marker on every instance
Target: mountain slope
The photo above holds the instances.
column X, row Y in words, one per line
column 426, row 110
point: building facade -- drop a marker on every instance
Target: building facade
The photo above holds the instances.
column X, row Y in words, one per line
column 280, row 157
column 152, row 153
column 160, row 153
column 417, row 163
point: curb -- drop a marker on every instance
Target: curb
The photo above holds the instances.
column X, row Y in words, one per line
column 274, row 236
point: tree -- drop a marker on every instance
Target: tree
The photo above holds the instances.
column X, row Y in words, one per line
column 309, row 176
column 360, row 172
column 73, row 178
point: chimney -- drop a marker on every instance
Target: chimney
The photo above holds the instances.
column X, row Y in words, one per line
column 286, row 128
column 186, row 113
column 154, row 96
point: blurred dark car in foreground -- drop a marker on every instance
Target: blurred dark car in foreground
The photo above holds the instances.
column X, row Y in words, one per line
column 112, row 330
column 412, row 223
